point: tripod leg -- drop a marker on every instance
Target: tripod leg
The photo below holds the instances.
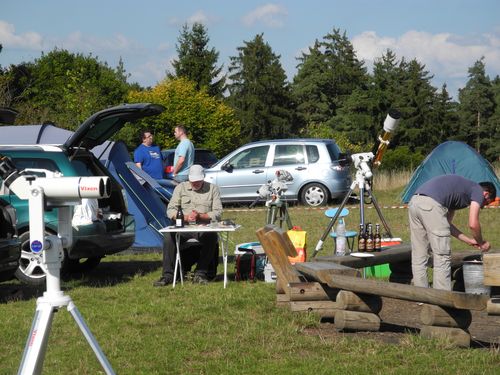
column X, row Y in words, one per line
column 287, row 216
column 36, row 345
column 379, row 212
column 90, row 339
column 319, row 245
column 273, row 215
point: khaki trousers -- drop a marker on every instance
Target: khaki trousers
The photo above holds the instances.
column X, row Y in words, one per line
column 430, row 234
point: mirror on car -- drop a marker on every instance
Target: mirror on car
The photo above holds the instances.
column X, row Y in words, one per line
column 227, row 167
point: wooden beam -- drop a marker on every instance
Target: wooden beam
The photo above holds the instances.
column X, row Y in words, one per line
column 310, row 269
column 356, row 321
column 445, row 317
column 359, row 302
column 431, row 296
column 274, row 245
column 311, row 291
column 325, row 309
column 395, row 254
column 491, row 265
column 493, row 306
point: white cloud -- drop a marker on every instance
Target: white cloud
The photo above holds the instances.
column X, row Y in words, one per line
column 9, row 38
column 79, row 42
column 151, row 72
column 198, row 17
column 270, row 15
column 444, row 54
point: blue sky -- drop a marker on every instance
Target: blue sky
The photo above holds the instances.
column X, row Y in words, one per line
column 448, row 36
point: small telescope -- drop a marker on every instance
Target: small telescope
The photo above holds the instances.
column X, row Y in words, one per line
column 390, row 124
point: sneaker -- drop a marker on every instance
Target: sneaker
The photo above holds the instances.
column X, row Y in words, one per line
column 164, row 280
column 200, row 279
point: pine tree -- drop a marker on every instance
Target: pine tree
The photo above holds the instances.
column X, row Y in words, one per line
column 477, row 105
column 197, row 62
column 259, row 92
column 327, row 75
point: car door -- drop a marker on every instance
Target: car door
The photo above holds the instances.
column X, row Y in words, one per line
column 241, row 174
column 291, row 158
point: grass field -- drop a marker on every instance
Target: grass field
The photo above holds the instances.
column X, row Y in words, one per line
column 196, row 329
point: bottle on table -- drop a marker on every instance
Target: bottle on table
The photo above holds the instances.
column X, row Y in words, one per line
column 369, row 239
column 340, row 240
column 361, row 239
column 179, row 218
column 377, row 239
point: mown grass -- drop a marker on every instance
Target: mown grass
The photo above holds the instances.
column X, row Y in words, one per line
column 195, row 329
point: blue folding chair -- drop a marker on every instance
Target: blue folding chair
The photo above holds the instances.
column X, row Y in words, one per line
column 349, row 234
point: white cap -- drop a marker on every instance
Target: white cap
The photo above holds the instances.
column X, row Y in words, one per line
column 196, row 173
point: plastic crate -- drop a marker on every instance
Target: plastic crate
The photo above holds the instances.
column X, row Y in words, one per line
column 379, row 271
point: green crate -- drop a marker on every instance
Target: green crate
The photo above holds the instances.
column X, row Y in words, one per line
column 379, row 271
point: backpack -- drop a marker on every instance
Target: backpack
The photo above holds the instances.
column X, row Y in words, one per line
column 250, row 262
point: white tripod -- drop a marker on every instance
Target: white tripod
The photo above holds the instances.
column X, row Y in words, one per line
column 61, row 192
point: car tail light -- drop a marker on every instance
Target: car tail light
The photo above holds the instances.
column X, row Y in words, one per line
column 337, row 167
column 169, row 169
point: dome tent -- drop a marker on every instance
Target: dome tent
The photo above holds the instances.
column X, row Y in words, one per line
column 451, row 158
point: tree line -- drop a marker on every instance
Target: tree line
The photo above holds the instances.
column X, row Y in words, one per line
column 332, row 95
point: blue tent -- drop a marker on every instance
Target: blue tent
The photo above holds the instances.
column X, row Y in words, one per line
column 451, row 158
column 144, row 202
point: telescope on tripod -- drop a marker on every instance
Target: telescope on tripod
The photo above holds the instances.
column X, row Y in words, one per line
column 272, row 192
column 63, row 193
column 363, row 163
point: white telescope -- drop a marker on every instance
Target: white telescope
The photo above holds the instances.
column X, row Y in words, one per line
column 66, row 189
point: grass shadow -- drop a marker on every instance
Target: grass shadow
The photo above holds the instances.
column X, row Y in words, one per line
column 112, row 273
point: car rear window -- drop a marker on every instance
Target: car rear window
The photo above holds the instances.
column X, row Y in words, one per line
column 35, row 163
column 312, row 154
column 333, row 150
column 288, row 154
column 204, row 158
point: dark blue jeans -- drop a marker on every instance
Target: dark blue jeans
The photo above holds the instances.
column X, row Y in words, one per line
column 205, row 254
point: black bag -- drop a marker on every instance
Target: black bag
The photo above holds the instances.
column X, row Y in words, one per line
column 249, row 265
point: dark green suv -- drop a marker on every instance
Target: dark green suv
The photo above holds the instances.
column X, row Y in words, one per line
column 116, row 231
column 10, row 251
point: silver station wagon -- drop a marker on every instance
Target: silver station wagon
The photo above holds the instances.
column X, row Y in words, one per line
column 318, row 175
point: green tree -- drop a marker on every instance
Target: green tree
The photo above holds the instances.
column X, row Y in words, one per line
column 259, row 92
column 65, row 88
column 310, row 86
column 477, row 105
column 210, row 122
column 197, row 62
column 327, row 75
column 494, row 121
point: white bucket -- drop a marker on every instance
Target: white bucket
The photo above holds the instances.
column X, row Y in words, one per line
column 474, row 278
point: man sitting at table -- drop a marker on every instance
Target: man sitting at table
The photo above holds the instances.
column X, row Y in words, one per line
column 200, row 202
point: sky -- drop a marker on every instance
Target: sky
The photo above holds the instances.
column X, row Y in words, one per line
column 448, row 36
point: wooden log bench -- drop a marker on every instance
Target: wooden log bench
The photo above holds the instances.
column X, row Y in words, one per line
column 335, row 289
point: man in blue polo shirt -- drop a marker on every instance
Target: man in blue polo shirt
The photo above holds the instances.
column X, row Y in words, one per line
column 148, row 156
column 431, row 212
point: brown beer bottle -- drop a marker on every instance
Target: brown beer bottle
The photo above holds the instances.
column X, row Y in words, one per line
column 361, row 239
column 369, row 239
column 377, row 239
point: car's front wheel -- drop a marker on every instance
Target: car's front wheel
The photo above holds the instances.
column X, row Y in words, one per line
column 314, row 195
column 31, row 269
